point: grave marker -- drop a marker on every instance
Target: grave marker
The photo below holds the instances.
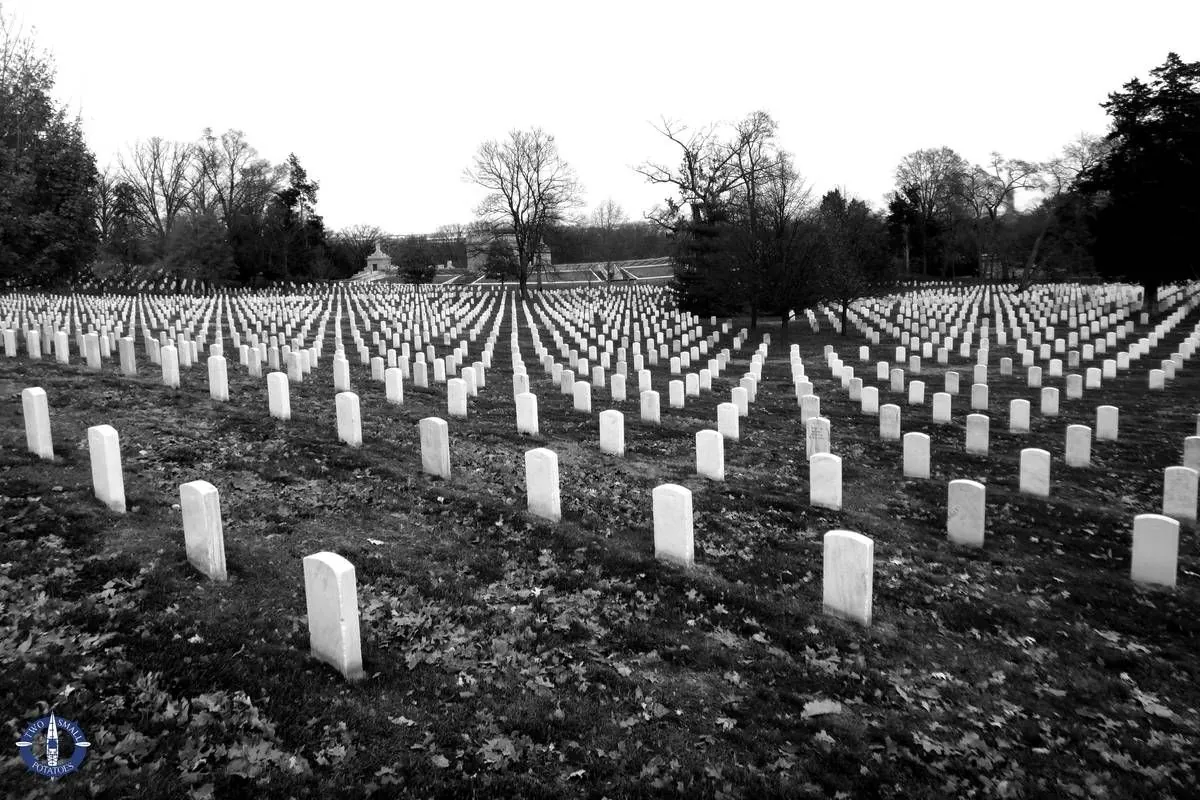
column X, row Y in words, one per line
column 107, row 481
column 848, row 570
column 541, row 484
column 435, row 447
column 331, row 599
column 35, row 407
column 673, row 533
column 203, row 534
column 1155, row 555
column 965, row 510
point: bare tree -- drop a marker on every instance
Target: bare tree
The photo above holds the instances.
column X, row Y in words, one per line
column 710, row 168
column 360, row 240
column 105, row 192
column 608, row 217
column 929, row 180
column 161, row 177
column 987, row 191
column 232, row 178
column 530, row 189
column 1057, row 177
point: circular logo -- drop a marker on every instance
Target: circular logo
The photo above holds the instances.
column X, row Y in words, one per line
column 61, row 742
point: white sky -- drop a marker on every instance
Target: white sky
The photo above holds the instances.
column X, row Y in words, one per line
column 385, row 103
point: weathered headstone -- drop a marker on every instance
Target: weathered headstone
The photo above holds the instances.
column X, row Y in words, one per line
column 650, row 407
column 331, row 599
column 941, row 407
column 218, row 379
column 612, row 432
column 35, row 407
column 349, row 418
column 727, row 421
column 916, row 455
column 965, row 512
column 977, row 434
column 527, row 414
column 278, row 402
column 1155, row 556
column 825, row 481
column 456, row 397
column 1018, row 416
column 816, row 436
column 435, row 447
column 889, row 422
column 710, row 455
column 393, row 383
column 1179, row 493
column 169, row 362
column 1079, row 446
column 203, row 533
column 1035, row 472
column 673, row 532
column 541, row 484
column 848, row 576
column 107, row 481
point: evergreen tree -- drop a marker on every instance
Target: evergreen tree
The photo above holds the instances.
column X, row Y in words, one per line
column 1147, row 211
column 47, row 174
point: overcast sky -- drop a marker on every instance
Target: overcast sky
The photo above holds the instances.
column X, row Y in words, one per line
column 385, row 103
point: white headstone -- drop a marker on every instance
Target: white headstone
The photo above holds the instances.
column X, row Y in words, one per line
column 1107, row 422
column 393, row 382
column 1050, row 402
column 1035, row 472
column 941, row 407
column 541, row 484
column 727, row 421
column 169, row 361
column 203, row 534
column 107, row 481
column 673, row 534
column 1155, row 556
column 435, row 447
column 650, row 407
column 612, row 432
column 889, row 422
column 979, row 397
column 218, row 379
column 1079, row 446
column 870, row 400
column 825, row 481
column 965, row 510
column 277, row 396
column 977, row 434
column 1191, row 452
column 816, row 436
column 349, row 419
column 331, row 598
column 848, row 576
column 710, row 455
column 1179, row 493
column 126, row 347
column 527, row 414
column 35, row 407
column 916, row 455
column 1018, row 416
column 456, row 397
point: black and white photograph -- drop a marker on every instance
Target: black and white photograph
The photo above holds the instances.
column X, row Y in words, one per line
column 609, row 401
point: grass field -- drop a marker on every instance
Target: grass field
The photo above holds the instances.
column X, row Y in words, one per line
column 509, row 657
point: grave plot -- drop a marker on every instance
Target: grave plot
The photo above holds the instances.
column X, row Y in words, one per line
column 486, row 601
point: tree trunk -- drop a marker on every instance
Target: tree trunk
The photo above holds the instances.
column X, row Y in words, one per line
column 753, row 315
column 523, row 279
column 845, row 311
